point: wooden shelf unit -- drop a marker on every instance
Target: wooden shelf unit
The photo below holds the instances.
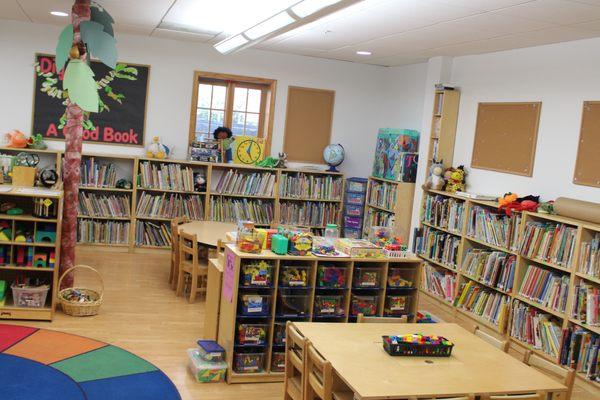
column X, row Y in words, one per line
column 443, row 127
column 10, row 270
column 585, row 231
column 231, row 315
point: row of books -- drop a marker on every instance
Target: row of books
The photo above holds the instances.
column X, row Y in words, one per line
column 233, row 210
column 170, row 205
column 383, row 194
column 494, row 268
column 545, row 287
column 585, row 308
column 438, row 245
column 103, row 205
column 581, row 351
column 246, row 183
column 378, row 218
column 310, row 186
column 171, row 176
column 550, row 242
column 589, row 262
column 309, row 213
column 494, row 228
column 444, row 212
column 440, row 283
column 152, row 234
column 94, row 174
column 102, row 232
column 533, row 327
column 488, row 304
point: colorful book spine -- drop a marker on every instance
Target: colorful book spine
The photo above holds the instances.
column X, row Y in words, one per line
column 310, row 186
column 589, row 263
column 233, row 210
column 535, row 328
column 102, row 205
column 166, row 176
column 102, row 232
column 548, row 241
column 494, row 268
column 581, row 351
column 545, row 287
column 586, row 298
column 444, row 212
column 308, row 213
column 379, row 218
column 152, row 234
column 246, row 183
column 383, row 194
column 483, row 302
column 494, row 228
column 440, row 283
column 94, row 174
column 170, row 205
column 438, row 246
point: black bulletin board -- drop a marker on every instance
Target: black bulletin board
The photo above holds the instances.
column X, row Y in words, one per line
column 122, row 124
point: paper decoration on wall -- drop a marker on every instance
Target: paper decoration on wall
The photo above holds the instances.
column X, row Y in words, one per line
column 396, row 155
column 99, row 15
column 99, row 43
column 248, row 149
column 65, row 41
column 79, row 81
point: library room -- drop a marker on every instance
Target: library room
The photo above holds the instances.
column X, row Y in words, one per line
column 300, row 200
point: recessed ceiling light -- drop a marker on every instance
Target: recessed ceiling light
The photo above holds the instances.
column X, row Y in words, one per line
column 363, row 53
column 270, row 25
column 308, row 7
column 59, row 13
column 230, row 44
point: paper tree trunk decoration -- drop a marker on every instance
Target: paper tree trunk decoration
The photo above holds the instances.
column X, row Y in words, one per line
column 90, row 30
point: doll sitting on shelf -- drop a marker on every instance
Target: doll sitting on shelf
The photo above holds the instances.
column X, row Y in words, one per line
column 225, row 136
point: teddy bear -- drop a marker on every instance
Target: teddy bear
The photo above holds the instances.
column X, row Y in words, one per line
column 435, row 180
column 457, row 180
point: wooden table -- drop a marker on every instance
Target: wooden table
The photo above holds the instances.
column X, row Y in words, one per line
column 207, row 232
column 362, row 366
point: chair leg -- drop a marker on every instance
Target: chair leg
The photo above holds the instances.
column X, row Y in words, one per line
column 171, row 272
column 194, row 286
column 179, row 282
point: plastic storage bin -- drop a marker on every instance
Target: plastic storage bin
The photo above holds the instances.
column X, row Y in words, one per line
column 294, row 276
column 252, row 334
column 354, row 210
column 210, row 350
column 331, row 276
column 366, row 305
column 366, row 277
column 329, row 305
column 352, row 222
column 278, row 362
column 296, row 305
column 248, row 362
column 352, row 233
column 31, row 297
column 206, row 371
column 279, row 333
column 355, row 198
column 255, row 304
column 400, row 277
column 356, row 185
column 257, row 274
column 396, row 305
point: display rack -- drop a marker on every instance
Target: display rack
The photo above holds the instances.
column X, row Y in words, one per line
column 365, row 286
column 48, row 158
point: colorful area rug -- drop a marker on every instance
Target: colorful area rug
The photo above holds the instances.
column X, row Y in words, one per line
column 44, row 364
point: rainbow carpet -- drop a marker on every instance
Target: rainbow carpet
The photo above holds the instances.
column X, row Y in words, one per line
column 44, row 364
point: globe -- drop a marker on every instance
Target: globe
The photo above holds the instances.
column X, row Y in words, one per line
column 333, row 156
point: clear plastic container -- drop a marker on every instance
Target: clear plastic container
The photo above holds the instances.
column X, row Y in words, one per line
column 329, row 305
column 206, row 371
column 210, row 350
column 255, row 304
column 356, row 185
column 279, row 333
column 366, row 277
column 396, row 305
column 399, row 277
column 354, row 210
column 278, row 362
column 248, row 362
column 365, row 305
column 294, row 276
column 355, row 198
column 257, row 274
column 331, row 276
column 31, row 297
column 252, row 334
column 352, row 222
column 332, row 231
column 352, row 233
column 293, row 305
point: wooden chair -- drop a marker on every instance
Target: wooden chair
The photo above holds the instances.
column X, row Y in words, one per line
column 497, row 343
column 295, row 367
column 188, row 263
column 174, row 273
column 361, row 319
column 319, row 378
column 565, row 375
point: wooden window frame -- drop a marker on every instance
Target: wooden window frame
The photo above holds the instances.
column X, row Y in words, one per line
column 267, row 106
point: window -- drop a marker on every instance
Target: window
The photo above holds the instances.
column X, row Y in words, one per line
column 244, row 104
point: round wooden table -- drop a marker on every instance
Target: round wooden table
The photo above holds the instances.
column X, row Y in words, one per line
column 208, row 232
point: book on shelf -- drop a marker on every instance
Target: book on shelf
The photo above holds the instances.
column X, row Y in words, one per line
column 308, row 186
column 494, row 227
column 535, row 328
column 581, row 351
column 476, row 196
column 545, row 287
column 246, row 183
column 439, row 283
column 166, row 176
column 444, row 212
column 152, row 234
column 494, row 268
column 170, row 205
column 437, row 245
column 308, row 213
column 589, row 263
column 483, row 302
column 379, row 218
column 103, row 205
column 584, row 307
column 94, row 174
column 233, row 210
column 549, row 242
column 383, row 194
column 102, row 232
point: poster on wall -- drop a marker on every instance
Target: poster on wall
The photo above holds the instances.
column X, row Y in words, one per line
column 123, row 94
column 396, row 155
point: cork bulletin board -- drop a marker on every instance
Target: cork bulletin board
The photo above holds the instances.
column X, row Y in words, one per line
column 506, row 136
column 587, row 166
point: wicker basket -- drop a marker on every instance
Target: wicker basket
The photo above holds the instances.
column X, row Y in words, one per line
column 81, row 309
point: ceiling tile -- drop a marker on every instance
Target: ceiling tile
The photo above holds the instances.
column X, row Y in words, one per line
column 591, row 25
column 193, row 37
column 483, row 5
column 10, row 9
column 591, row 2
column 556, row 11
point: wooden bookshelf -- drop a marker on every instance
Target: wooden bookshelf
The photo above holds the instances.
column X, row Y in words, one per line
column 585, row 231
column 15, row 265
column 301, row 302
column 443, row 127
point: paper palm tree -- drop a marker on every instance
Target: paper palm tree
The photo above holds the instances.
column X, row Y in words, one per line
column 90, row 33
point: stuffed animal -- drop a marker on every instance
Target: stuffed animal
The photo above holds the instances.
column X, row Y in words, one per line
column 546, row 207
column 435, row 180
column 507, row 199
column 282, row 161
column 16, row 139
column 36, row 142
column 199, row 182
column 457, row 180
column 156, row 149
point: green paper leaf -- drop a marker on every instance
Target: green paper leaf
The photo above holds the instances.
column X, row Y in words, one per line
column 98, row 14
column 79, row 81
column 65, row 41
column 100, row 43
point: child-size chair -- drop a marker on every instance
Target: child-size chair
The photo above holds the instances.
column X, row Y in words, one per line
column 565, row 375
column 174, row 273
column 497, row 343
column 295, row 356
column 319, row 378
column 188, row 263
column 361, row 319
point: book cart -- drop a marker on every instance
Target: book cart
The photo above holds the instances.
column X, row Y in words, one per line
column 458, row 239
column 254, row 311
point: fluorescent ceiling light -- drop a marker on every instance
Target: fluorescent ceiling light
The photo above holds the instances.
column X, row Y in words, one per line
column 230, row 44
column 308, row 7
column 59, row 13
column 363, row 53
column 271, row 25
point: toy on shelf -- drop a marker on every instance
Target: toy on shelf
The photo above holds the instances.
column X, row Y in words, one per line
column 324, row 247
column 397, row 278
column 5, row 231
column 124, row 184
column 258, row 273
column 265, row 236
column 44, row 208
column 396, row 305
column 157, row 150
column 380, row 235
column 329, row 305
column 29, row 292
column 418, row 345
column 279, row 333
column 247, row 238
column 205, row 149
column 252, row 334
column 16, row 139
column 279, row 244
column 248, row 362
column 225, row 138
column 435, row 180
column 294, row 276
column 278, row 362
column 40, row 260
column 365, row 305
column 331, row 276
column 358, row 248
column 510, row 202
column 23, row 233
column 255, row 304
column 51, row 259
column 365, row 277
column 45, row 233
column 36, row 142
column 300, row 243
column 456, row 179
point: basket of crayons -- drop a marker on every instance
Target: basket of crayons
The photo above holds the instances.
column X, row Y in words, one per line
column 417, row 345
